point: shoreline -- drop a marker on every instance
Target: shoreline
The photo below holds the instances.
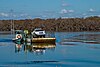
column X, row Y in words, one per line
column 53, row 25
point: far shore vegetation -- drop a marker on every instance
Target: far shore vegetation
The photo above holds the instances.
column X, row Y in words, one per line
column 57, row 25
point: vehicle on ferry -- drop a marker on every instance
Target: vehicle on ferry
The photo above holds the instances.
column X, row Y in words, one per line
column 38, row 33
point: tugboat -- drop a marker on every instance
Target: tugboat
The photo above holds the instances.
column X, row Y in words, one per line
column 19, row 36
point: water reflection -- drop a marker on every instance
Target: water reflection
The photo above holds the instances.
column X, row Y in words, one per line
column 37, row 48
column 82, row 38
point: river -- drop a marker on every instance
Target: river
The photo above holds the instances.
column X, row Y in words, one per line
column 71, row 49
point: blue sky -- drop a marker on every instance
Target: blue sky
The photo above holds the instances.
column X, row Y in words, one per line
column 20, row 9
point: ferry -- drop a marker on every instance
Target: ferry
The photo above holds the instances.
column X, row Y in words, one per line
column 37, row 36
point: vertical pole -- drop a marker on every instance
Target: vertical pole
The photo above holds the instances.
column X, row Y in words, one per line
column 13, row 26
column 12, row 22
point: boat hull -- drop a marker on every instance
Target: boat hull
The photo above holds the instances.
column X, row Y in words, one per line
column 37, row 40
column 17, row 40
column 43, row 40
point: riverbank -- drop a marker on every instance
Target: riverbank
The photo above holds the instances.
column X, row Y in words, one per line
column 58, row 25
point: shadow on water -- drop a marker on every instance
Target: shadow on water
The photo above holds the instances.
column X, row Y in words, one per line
column 81, row 61
column 31, row 62
column 71, row 62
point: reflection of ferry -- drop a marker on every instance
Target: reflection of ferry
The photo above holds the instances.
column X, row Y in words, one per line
column 37, row 48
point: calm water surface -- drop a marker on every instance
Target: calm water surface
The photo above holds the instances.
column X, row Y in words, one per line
column 72, row 49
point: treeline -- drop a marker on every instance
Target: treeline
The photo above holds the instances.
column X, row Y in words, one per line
column 60, row 24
